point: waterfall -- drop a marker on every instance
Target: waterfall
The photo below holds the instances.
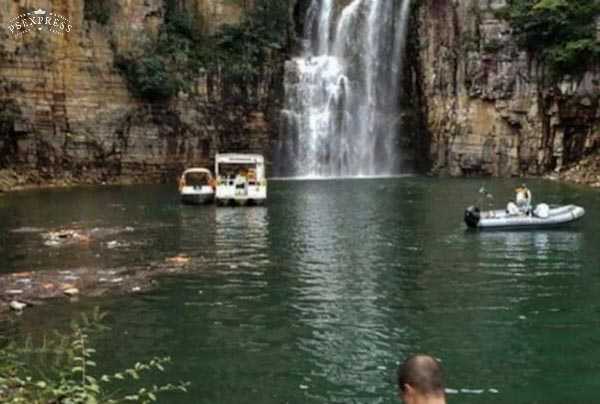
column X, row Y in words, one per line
column 341, row 115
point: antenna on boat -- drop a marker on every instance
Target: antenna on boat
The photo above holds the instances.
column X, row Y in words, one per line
column 484, row 194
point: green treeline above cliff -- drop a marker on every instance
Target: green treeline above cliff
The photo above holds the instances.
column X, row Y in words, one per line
column 561, row 33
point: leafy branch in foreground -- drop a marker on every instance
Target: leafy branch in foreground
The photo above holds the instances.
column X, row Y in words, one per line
column 72, row 379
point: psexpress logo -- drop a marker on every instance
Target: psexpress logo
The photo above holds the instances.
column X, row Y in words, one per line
column 38, row 20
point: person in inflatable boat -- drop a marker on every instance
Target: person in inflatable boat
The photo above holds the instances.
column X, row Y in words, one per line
column 523, row 202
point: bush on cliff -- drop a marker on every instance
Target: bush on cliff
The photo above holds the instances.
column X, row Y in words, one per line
column 148, row 77
column 159, row 69
column 99, row 11
column 562, row 33
column 182, row 50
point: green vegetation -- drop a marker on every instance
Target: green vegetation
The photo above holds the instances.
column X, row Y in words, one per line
column 68, row 376
column 182, row 50
column 99, row 11
column 9, row 112
column 492, row 46
column 562, row 33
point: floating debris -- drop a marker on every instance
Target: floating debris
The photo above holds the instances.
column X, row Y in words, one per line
column 17, row 305
column 71, row 291
column 31, row 287
column 26, row 229
column 65, row 237
column 179, row 260
column 13, row 292
column 472, row 391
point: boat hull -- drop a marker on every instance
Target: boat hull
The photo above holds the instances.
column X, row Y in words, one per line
column 229, row 194
column 240, row 201
column 501, row 220
column 197, row 198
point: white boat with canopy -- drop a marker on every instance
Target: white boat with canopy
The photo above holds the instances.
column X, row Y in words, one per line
column 240, row 179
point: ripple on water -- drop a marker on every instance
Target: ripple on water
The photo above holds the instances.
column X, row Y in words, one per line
column 317, row 296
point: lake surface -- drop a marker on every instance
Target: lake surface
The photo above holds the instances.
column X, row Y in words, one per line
column 316, row 297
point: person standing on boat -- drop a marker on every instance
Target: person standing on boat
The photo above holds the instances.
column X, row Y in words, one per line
column 420, row 381
column 523, row 199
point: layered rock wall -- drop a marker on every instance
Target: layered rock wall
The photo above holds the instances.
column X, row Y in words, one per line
column 67, row 114
column 489, row 108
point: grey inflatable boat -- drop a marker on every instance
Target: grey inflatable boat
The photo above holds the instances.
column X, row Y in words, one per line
column 541, row 217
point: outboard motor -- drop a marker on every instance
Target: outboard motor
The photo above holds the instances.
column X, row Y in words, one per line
column 472, row 216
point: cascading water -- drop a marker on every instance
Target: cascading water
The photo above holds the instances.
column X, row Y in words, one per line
column 342, row 96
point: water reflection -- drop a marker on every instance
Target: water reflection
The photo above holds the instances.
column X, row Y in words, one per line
column 316, row 296
column 542, row 249
column 241, row 237
column 340, row 246
column 195, row 233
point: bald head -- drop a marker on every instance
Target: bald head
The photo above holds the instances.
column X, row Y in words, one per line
column 423, row 373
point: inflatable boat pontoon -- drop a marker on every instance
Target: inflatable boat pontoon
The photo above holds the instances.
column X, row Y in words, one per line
column 541, row 217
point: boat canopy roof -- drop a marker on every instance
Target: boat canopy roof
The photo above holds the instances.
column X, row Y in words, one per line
column 197, row 171
column 234, row 158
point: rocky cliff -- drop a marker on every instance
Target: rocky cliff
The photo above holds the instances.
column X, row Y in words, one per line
column 488, row 107
column 68, row 115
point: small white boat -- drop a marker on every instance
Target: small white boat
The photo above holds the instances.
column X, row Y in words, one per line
column 541, row 217
column 240, row 179
column 196, row 186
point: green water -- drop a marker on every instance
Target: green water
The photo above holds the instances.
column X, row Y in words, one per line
column 317, row 296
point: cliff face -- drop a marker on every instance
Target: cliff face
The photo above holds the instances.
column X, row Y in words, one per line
column 67, row 114
column 489, row 108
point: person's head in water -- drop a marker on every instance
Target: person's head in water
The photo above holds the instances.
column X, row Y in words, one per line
column 420, row 381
